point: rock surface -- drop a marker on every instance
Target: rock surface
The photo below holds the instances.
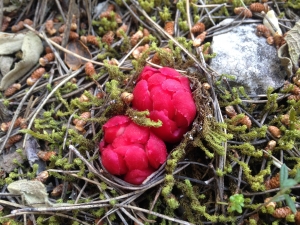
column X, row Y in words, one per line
column 254, row 63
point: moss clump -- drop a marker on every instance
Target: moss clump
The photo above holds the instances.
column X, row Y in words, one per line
column 256, row 182
column 140, row 118
column 212, row 138
column 295, row 4
column 147, row 5
column 106, row 24
column 181, row 7
column 165, row 14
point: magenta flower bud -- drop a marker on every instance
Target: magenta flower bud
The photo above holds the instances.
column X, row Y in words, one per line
column 168, row 97
column 130, row 151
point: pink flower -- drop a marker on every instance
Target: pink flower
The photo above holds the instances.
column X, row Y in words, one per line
column 130, row 151
column 168, row 97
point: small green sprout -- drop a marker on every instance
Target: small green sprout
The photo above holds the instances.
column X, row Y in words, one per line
column 285, row 186
column 236, row 203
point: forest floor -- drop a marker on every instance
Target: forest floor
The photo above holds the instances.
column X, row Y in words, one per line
column 69, row 66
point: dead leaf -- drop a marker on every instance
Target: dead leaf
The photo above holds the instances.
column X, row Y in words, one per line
column 285, row 60
column 10, row 43
column 73, row 62
column 32, row 48
column 293, row 41
column 33, row 192
column 5, row 64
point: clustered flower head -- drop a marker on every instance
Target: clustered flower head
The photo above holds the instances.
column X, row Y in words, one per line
column 130, row 150
column 134, row 152
column 167, row 96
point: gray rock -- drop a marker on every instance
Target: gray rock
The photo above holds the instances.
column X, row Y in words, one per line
column 254, row 63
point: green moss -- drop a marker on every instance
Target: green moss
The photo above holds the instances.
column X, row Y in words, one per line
column 166, row 58
column 224, row 11
column 187, row 44
column 247, row 149
column 61, row 162
column 32, row 175
column 295, row 4
column 207, row 56
column 196, row 18
column 114, row 72
column 125, row 46
column 235, row 120
column 113, row 89
column 53, row 220
column 181, row 7
column 237, row 3
column 147, row 5
column 172, row 203
column 187, row 188
column 92, row 101
column 49, row 87
column 140, row 118
column 54, row 137
column 6, row 102
column 290, row 134
column 84, row 144
column 219, row 1
column 234, row 102
column 256, row 182
column 68, row 87
column 62, row 177
column 105, row 55
column 8, row 220
column 227, row 169
column 40, row 220
column 252, row 222
column 165, row 14
column 290, row 218
column 198, row 143
column 271, row 106
column 214, row 136
column 106, row 24
column 63, row 101
column 270, row 210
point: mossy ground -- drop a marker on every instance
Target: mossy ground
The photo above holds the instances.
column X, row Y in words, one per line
column 218, row 158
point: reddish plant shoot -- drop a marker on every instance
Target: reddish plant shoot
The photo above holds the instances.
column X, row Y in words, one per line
column 168, row 97
column 131, row 151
